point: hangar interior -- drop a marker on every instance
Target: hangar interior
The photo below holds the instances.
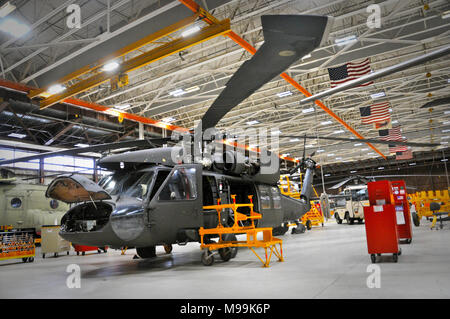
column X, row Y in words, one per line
column 131, row 75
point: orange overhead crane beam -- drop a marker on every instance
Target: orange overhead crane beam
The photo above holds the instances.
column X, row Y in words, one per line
column 121, row 52
column 193, row 6
column 141, row 60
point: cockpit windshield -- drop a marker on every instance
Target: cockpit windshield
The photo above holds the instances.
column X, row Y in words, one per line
column 141, row 187
column 130, row 184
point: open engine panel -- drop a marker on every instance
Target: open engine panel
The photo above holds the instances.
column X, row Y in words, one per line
column 86, row 217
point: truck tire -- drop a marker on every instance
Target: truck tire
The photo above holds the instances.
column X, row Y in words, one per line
column 347, row 217
column 338, row 219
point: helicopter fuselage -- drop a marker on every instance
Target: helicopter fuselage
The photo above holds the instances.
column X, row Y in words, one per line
column 162, row 205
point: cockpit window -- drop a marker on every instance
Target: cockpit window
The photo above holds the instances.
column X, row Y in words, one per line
column 119, row 182
column 180, row 186
column 141, row 187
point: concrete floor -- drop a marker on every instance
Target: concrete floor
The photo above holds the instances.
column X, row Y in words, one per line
column 329, row 262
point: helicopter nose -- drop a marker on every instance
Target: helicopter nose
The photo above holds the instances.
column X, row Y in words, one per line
column 127, row 221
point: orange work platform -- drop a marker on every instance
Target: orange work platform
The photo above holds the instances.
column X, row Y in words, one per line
column 268, row 242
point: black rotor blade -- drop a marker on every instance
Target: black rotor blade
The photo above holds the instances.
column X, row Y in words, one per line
column 370, row 140
column 89, row 149
column 287, row 38
column 345, row 181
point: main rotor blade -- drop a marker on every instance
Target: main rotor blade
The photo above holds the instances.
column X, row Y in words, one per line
column 378, row 74
column 89, row 149
column 287, row 38
column 370, row 140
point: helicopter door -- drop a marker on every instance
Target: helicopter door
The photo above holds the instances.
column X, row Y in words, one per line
column 178, row 204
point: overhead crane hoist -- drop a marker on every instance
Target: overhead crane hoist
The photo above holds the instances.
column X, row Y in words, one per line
column 94, row 75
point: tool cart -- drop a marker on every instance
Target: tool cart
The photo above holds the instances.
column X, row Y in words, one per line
column 52, row 242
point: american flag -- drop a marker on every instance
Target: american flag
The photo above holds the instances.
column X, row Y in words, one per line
column 349, row 71
column 375, row 113
column 404, row 155
column 393, row 134
column 398, row 148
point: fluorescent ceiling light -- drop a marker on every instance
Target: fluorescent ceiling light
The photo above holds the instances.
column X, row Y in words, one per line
column 283, row 94
column 364, row 149
column 309, row 145
column 55, row 89
column 444, row 143
column 6, row 9
column 446, row 123
column 444, row 137
column 377, row 95
column 381, row 167
column 306, row 56
column 331, row 154
column 253, row 122
column 447, row 112
column 326, row 122
column 412, row 164
column 371, row 153
column 353, row 171
column 81, row 145
column 326, row 175
column 346, row 40
column 444, row 160
column 338, row 158
column 294, row 140
column 178, row 92
column 122, row 106
column 390, row 110
column 110, row 66
column 192, row 89
column 308, row 110
column 277, row 132
column 320, row 151
column 394, row 122
column 445, row 131
column 14, row 27
column 286, row 154
column 190, row 31
column 358, row 144
column 445, row 14
column 338, row 132
column 168, row 119
column 16, row 135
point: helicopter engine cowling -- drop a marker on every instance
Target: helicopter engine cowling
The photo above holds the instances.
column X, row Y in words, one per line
column 230, row 162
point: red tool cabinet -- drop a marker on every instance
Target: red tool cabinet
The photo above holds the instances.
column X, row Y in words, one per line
column 381, row 222
column 83, row 249
column 402, row 211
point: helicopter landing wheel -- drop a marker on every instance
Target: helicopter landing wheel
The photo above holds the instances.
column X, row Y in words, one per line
column 207, row 258
column 168, row 248
column 308, row 225
column 146, row 252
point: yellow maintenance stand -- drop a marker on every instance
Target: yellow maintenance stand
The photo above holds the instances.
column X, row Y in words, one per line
column 422, row 201
column 268, row 242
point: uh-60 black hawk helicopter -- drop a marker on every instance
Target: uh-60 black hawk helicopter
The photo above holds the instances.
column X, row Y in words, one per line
column 156, row 196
